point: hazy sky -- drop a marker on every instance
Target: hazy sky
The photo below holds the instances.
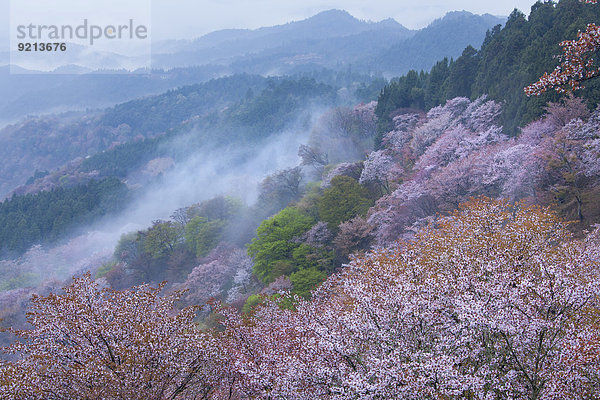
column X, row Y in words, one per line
column 192, row 18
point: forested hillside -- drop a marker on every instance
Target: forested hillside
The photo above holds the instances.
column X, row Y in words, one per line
column 510, row 59
column 448, row 35
column 46, row 143
column 239, row 107
column 48, row 215
column 27, row 94
column 247, row 121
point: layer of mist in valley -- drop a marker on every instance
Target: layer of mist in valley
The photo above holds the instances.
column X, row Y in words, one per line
column 212, row 170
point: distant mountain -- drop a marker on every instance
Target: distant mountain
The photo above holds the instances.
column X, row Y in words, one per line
column 337, row 53
column 445, row 37
column 327, row 24
column 31, row 92
column 332, row 39
column 224, row 46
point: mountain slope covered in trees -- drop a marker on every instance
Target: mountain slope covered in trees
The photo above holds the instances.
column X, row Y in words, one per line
column 511, row 58
column 240, row 106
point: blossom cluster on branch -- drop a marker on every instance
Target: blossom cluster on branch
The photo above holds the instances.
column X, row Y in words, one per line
column 577, row 63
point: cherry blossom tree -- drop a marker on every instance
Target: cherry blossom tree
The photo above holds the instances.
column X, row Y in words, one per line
column 572, row 164
column 496, row 300
column 457, row 143
column 398, row 140
column 105, row 344
column 441, row 159
column 353, row 170
column 516, row 168
column 280, row 285
column 439, row 119
column 223, row 274
column 379, row 169
column 394, row 215
column 560, row 114
column 365, row 119
column 588, row 150
column 353, row 236
column 317, row 236
column 482, row 114
column 242, row 280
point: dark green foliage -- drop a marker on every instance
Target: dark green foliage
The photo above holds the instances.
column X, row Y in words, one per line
column 404, row 92
column 516, row 56
column 46, row 216
column 162, row 239
column 278, row 105
column 447, row 36
column 122, row 159
column 306, row 280
column 462, row 74
column 50, row 141
column 202, row 235
column 275, row 243
column 158, row 113
column 407, row 92
column 435, row 89
column 36, row 175
column 343, row 200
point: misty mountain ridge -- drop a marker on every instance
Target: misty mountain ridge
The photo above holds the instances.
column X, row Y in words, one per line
column 326, row 24
column 331, row 39
column 445, row 37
